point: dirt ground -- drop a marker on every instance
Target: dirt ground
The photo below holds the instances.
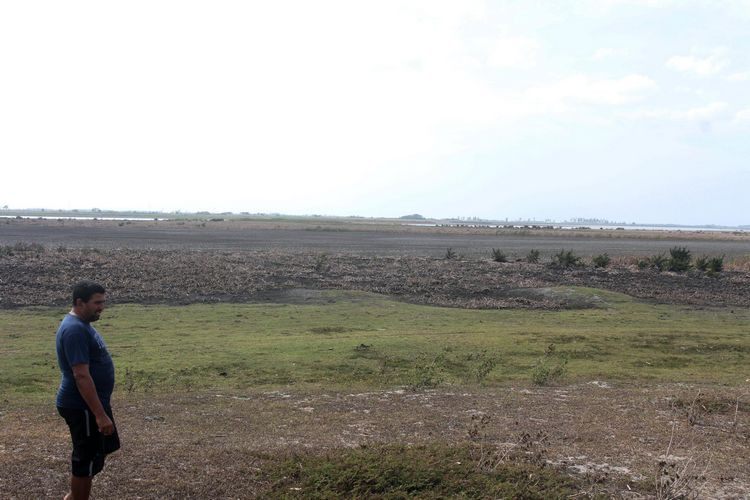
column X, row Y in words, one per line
column 212, row 445
column 365, row 238
column 208, row 445
column 186, row 276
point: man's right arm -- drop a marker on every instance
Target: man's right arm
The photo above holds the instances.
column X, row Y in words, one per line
column 87, row 389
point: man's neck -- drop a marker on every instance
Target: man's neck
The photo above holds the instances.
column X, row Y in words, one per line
column 73, row 313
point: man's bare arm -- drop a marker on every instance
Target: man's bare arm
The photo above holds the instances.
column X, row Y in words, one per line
column 86, row 387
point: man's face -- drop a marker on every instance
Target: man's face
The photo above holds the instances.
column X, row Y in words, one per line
column 90, row 311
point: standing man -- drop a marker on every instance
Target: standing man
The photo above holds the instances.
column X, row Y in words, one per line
column 88, row 377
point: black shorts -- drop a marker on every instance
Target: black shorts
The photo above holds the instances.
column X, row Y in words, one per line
column 89, row 445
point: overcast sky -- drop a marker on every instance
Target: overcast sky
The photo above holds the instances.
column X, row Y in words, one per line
column 630, row 110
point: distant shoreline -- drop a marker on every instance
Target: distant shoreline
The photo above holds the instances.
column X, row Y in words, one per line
column 112, row 215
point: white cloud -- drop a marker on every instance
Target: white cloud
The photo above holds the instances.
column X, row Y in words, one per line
column 513, row 52
column 705, row 66
column 742, row 115
column 606, row 53
column 586, row 90
column 708, row 112
column 739, row 77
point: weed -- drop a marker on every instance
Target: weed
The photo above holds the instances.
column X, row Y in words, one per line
column 136, row 379
column 426, row 373
column 321, row 264
column 401, row 471
column 602, row 260
column 450, row 254
column 680, row 477
column 328, row 329
column 660, row 262
column 482, row 366
column 533, row 256
column 498, row 255
column 549, row 368
column 740, row 263
column 489, row 455
column 701, row 263
column 22, row 248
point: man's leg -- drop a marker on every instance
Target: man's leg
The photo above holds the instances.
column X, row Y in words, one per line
column 80, row 488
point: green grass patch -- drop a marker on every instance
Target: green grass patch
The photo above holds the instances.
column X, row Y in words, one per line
column 365, row 341
column 412, row 472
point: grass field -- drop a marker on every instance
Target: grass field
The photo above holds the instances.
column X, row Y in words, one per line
column 335, row 394
column 358, row 340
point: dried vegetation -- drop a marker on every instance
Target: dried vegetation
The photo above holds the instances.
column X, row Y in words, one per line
column 183, row 276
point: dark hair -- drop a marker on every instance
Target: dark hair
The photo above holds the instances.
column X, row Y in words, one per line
column 85, row 289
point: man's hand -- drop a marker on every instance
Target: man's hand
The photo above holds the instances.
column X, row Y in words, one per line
column 105, row 424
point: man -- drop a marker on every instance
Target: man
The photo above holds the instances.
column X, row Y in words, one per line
column 88, row 377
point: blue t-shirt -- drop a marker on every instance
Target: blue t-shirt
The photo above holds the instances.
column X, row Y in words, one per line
column 78, row 342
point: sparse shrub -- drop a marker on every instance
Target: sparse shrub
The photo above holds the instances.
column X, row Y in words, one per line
column 602, row 260
column 643, row 263
column 701, row 263
column 490, row 455
column 533, row 256
column 681, row 475
column 710, row 265
column 740, row 263
column 679, row 259
column 450, row 254
column 550, row 367
column 22, row 248
column 498, row 255
column 328, row 329
column 660, row 262
column 716, row 264
column 321, row 264
column 483, row 365
column 426, row 373
column 565, row 259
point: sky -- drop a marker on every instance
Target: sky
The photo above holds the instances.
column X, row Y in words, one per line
column 627, row 110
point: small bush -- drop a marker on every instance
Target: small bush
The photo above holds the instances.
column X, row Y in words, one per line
column 498, row 255
column 660, row 262
column 716, row 264
column 565, row 259
column 321, row 264
column 22, row 248
column 549, row 368
column 480, row 365
column 679, row 259
column 426, row 373
column 533, row 256
column 450, row 254
column 701, row 263
column 643, row 263
column 602, row 260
